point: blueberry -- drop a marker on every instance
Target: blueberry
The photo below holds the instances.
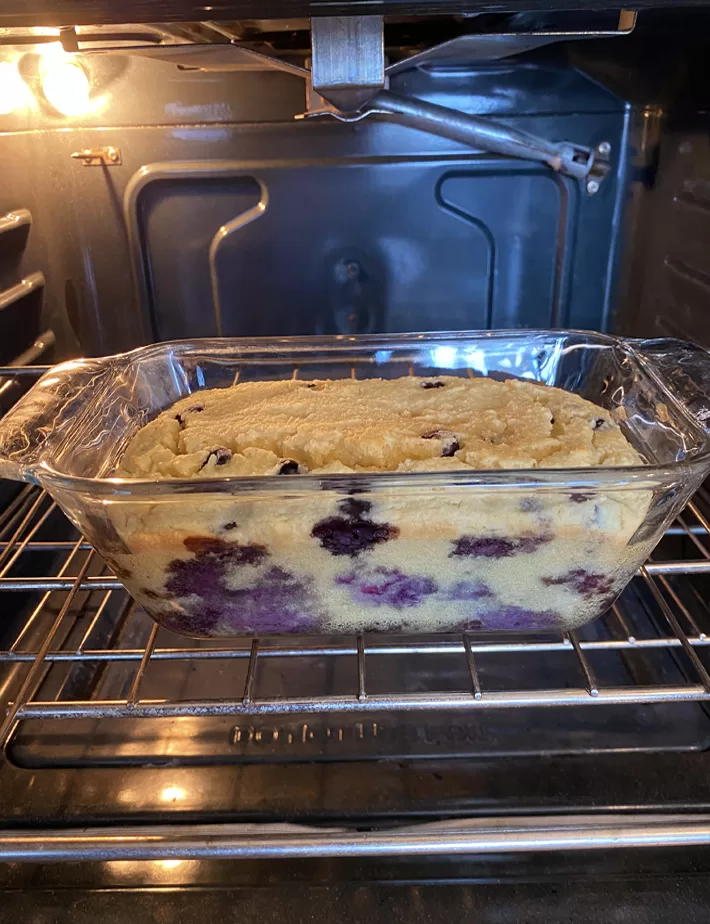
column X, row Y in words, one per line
column 580, row 498
column 433, row 384
column 482, row 547
column 221, row 457
column 193, row 409
column 353, row 532
column 341, row 536
column 291, row 467
column 388, row 587
column 231, row 525
column 495, row 547
column 598, row 423
column 449, row 440
column 586, row 583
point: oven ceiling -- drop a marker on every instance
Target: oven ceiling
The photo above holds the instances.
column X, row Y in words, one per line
column 87, row 12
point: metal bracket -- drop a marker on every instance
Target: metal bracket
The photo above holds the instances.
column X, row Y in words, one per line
column 108, row 156
column 566, row 157
column 349, row 74
column 348, row 63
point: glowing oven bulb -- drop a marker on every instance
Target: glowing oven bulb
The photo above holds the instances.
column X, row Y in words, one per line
column 66, row 87
column 13, row 91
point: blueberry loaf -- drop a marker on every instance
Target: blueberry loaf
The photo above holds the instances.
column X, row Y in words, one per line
column 360, row 555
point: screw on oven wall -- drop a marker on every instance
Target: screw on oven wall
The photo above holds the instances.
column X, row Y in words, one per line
column 604, row 148
column 592, row 187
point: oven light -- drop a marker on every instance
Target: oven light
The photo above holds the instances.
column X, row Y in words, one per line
column 65, row 84
column 172, row 794
column 170, row 864
column 14, row 92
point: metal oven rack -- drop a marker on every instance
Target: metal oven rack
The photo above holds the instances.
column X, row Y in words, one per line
column 76, row 601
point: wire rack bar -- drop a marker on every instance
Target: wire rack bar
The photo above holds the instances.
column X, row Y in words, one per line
column 361, row 689
column 465, row 836
column 251, row 673
column 137, row 680
column 316, row 705
column 584, row 664
column 472, row 669
column 346, row 650
column 675, row 625
column 34, row 675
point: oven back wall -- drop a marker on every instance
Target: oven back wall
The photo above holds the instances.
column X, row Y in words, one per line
column 326, row 228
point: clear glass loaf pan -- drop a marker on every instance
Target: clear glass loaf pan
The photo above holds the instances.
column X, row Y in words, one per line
column 418, row 552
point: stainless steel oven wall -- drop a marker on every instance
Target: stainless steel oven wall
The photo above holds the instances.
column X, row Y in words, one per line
column 325, row 227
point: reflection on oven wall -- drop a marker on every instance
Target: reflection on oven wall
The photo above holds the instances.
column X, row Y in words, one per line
column 226, row 216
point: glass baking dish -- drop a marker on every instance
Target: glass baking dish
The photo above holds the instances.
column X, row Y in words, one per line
column 538, row 549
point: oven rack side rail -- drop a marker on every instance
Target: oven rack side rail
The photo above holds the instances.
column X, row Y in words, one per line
column 672, row 589
column 499, row 836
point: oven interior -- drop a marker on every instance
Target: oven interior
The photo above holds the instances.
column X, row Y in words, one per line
column 170, row 192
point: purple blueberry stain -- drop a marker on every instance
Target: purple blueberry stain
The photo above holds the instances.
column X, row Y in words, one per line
column 519, row 618
column 276, row 602
column 388, row 587
column 598, row 423
column 208, row 566
column 353, row 531
column 428, row 385
column 507, row 618
column 586, row 583
column 469, row 590
column 495, row 547
column 231, row 525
